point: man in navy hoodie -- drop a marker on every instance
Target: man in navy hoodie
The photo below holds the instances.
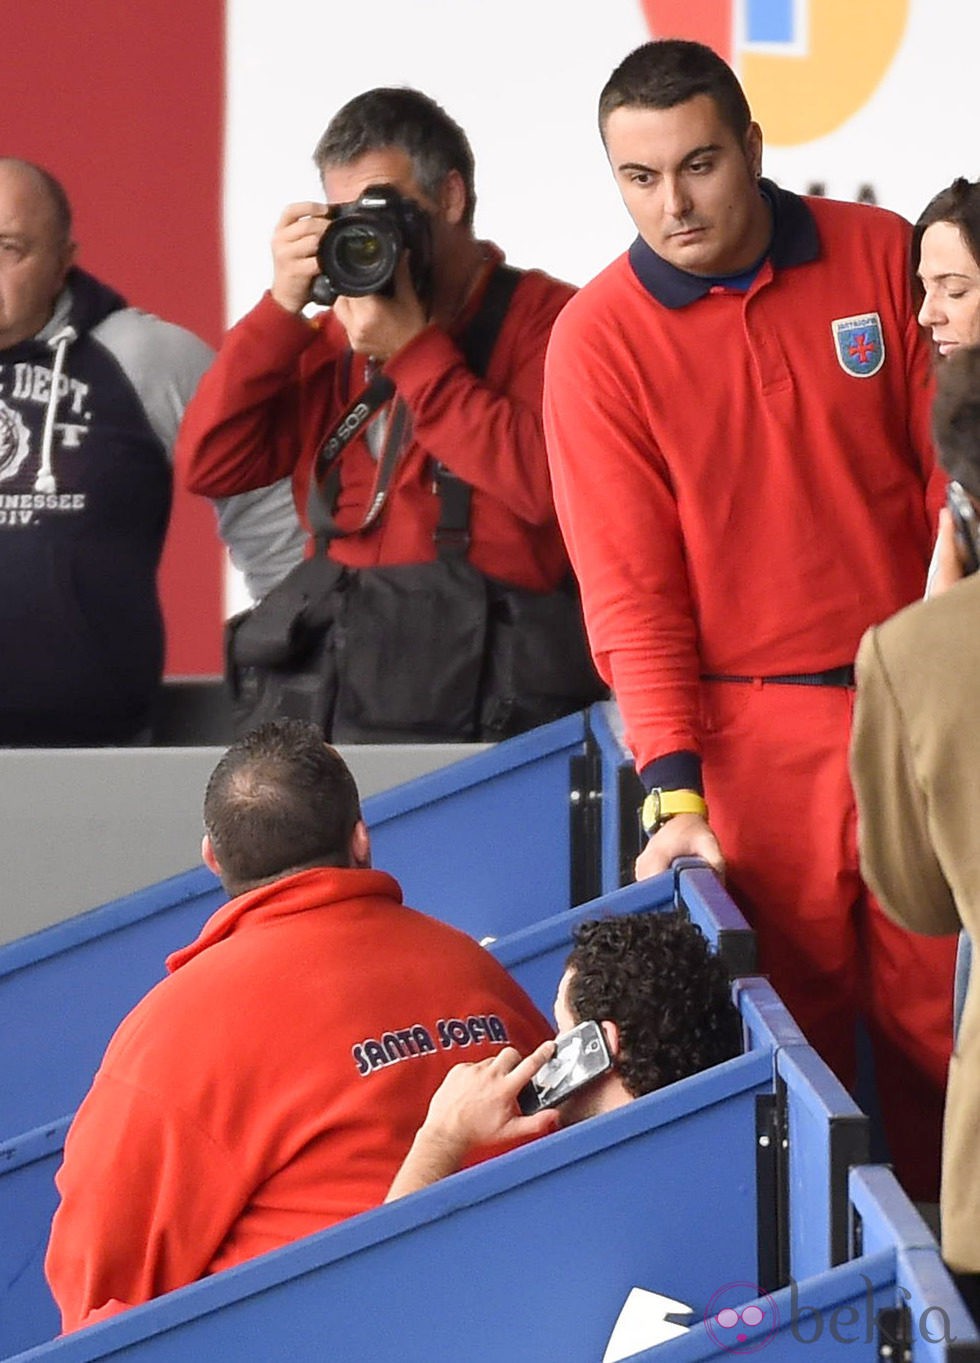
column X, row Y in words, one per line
column 91, row 394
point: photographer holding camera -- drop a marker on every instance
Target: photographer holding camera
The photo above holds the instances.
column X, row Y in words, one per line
column 436, row 602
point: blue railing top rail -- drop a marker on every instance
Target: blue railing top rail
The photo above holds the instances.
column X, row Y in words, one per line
column 764, row 1014
column 886, row 1215
column 815, row 1087
column 873, row 1274
column 33, row 1145
column 161, row 897
column 646, row 895
column 474, row 770
column 606, row 725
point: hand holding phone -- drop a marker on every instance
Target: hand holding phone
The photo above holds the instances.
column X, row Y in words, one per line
column 966, row 526
column 581, row 1056
column 473, row 1108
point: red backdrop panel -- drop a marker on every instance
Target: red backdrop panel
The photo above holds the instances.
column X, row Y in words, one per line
column 125, row 104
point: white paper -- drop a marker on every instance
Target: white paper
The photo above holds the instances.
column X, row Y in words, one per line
column 641, row 1324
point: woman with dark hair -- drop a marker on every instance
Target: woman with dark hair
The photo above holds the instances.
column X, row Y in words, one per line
column 946, row 267
column 945, row 263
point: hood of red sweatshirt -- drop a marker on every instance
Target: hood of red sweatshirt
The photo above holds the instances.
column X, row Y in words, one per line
column 297, row 893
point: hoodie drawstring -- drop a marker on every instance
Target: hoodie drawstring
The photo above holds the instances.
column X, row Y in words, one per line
column 59, row 343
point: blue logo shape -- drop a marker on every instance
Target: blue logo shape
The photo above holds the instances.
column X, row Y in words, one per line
column 859, row 343
column 771, row 22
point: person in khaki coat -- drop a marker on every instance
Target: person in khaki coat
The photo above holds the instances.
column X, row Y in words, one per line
column 915, row 762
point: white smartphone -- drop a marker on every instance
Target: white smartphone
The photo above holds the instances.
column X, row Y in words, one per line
column 581, row 1055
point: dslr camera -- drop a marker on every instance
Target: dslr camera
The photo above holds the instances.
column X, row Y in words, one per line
column 360, row 250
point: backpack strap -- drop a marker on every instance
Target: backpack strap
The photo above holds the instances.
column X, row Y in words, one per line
column 480, row 337
column 452, row 534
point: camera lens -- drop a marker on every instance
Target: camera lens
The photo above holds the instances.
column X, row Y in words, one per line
column 358, row 251
column 359, row 256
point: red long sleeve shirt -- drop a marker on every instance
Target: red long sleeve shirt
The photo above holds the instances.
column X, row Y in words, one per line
column 280, row 382
column 735, row 500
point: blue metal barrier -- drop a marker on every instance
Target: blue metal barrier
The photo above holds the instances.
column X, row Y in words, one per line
column 622, row 794
column 27, row 1203
column 766, row 1021
column 813, row 1133
column 526, row 1256
column 792, row 1325
column 64, row 990
column 894, row 1300
column 486, row 843
column 828, row 1134
column 701, row 894
column 933, row 1313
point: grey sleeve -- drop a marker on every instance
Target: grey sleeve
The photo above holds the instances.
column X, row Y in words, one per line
column 162, row 361
column 263, row 534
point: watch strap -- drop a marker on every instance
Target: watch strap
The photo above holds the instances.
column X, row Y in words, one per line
column 661, row 805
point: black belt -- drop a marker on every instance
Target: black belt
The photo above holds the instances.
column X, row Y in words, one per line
column 833, row 676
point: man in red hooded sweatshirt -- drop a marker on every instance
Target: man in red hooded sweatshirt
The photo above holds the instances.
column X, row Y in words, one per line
column 272, row 1083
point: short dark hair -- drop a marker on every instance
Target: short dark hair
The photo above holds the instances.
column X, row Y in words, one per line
column 959, row 204
column 654, row 975
column 53, row 190
column 670, row 71
column 404, row 118
column 956, row 417
column 280, row 800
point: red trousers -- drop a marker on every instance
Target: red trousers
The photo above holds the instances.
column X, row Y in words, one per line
column 781, row 804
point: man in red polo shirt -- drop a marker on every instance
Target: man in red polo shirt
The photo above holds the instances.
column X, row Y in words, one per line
column 737, row 420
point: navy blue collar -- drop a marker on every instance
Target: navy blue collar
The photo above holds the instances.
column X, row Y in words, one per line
column 794, row 242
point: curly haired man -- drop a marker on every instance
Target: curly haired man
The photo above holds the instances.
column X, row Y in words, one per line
column 664, row 1004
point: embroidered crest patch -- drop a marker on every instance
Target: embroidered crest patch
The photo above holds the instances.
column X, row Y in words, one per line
column 860, row 344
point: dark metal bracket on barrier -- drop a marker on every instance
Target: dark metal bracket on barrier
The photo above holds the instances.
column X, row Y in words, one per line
column 894, row 1342
column 736, row 944
column 585, row 824
column 850, row 1144
column 772, row 1189
column 630, row 794
column 855, row 1232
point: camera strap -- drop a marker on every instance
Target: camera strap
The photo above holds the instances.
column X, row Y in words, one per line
column 452, row 537
column 325, row 479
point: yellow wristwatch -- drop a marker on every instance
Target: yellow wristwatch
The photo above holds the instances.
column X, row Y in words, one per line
column 661, row 805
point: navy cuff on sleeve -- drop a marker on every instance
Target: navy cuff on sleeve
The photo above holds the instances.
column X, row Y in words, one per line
column 673, row 771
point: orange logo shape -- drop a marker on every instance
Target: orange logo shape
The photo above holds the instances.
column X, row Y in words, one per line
column 807, row 65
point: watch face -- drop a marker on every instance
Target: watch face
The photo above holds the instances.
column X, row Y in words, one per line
column 650, row 812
